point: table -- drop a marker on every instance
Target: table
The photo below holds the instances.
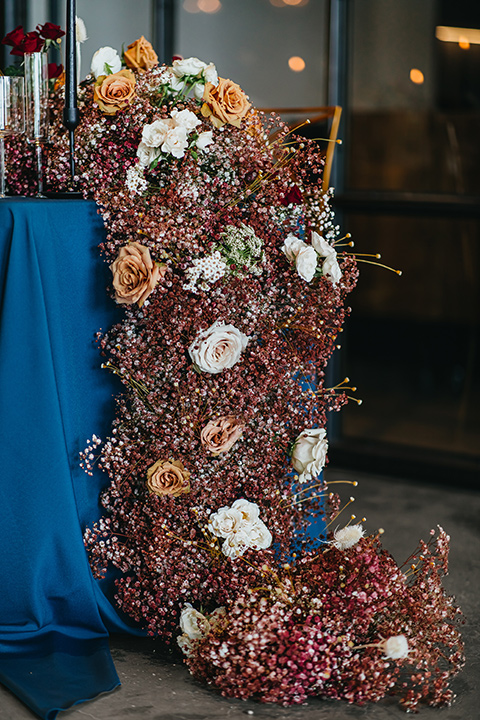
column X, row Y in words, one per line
column 54, row 617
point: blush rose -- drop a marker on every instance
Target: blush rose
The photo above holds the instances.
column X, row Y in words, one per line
column 217, row 348
column 220, row 434
column 135, row 274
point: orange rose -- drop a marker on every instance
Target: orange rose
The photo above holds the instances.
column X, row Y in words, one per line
column 134, row 274
column 224, row 103
column 219, row 435
column 140, row 55
column 113, row 92
column 168, row 478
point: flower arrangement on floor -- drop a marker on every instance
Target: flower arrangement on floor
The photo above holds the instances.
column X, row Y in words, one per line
column 233, row 276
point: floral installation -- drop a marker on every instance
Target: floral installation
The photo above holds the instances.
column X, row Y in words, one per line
column 38, row 40
column 233, row 278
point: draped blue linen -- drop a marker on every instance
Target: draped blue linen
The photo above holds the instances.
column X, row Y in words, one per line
column 54, row 618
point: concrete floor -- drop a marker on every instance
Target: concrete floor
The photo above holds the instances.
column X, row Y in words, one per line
column 155, row 688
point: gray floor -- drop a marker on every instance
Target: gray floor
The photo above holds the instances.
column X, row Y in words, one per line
column 155, row 689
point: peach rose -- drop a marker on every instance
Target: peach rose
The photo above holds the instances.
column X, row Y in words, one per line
column 219, row 435
column 168, row 478
column 113, row 92
column 224, row 103
column 140, row 55
column 135, row 274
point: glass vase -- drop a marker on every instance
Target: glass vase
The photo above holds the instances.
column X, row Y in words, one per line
column 11, row 117
column 36, row 108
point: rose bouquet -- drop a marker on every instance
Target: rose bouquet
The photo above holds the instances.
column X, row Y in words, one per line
column 233, row 277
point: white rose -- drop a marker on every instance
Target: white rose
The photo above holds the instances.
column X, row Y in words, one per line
column 192, row 623
column 225, row 522
column 259, row 536
column 210, row 74
column 154, row 134
column 292, row 246
column 310, row 453
column 177, row 84
column 146, row 154
column 217, row 348
column 188, row 66
column 322, row 247
column 103, row 57
column 176, row 142
column 235, row 545
column 395, row 647
column 198, row 90
column 250, row 511
column 331, row 268
column 185, row 645
column 186, row 119
column 204, row 139
column 306, row 262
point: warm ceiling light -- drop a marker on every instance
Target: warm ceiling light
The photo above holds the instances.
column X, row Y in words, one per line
column 416, row 76
column 191, row 6
column 283, row 3
column 292, row 2
column 296, row 63
column 457, row 35
column 463, row 42
column 209, row 6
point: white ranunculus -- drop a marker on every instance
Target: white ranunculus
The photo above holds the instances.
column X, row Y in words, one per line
column 192, row 623
column 217, row 348
column 395, row 647
column 225, row 522
column 347, row 537
column 309, row 453
column 105, row 56
column 204, row 139
column 154, row 133
column 292, row 246
column 210, row 74
column 146, row 155
column 331, row 268
column 306, row 263
column 186, row 119
column 176, row 142
column 259, row 536
column 323, row 248
column 250, row 511
column 188, row 66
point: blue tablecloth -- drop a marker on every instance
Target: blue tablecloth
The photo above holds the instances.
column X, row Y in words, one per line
column 54, row 618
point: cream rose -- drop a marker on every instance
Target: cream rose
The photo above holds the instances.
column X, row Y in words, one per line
column 146, row 155
column 292, row 246
column 135, row 274
column 186, row 119
column 167, row 477
column 306, row 263
column 225, row 522
column 140, row 55
column 192, row 623
column 217, row 348
column 114, row 92
column 188, row 66
column 250, row 511
column 224, row 103
column 176, row 142
column 220, row 434
column 204, row 140
column 310, row 453
column 259, row 536
column 154, row 134
column 331, row 268
column 106, row 60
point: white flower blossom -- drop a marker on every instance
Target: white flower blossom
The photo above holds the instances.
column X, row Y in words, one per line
column 154, row 134
column 80, row 30
column 331, row 268
column 306, row 263
column 176, row 142
column 395, row 647
column 347, row 537
column 188, row 66
column 292, row 246
column 146, row 155
column 240, row 527
column 204, row 139
column 210, row 74
column 105, row 61
column 186, row 119
column 309, row 453
column 135, row 181
column 204, row 272
column 192, row 623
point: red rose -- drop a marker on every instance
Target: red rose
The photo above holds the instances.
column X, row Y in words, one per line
column 49, row 31
column 14, row 37
column 293, row 195
column 54, row 70
column 32, row 42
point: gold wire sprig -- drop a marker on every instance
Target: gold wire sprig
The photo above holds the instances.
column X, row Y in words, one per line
column 350, row 501
column 139, row 388
column 312, row 487
column 341, row 387
column 359, row 258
